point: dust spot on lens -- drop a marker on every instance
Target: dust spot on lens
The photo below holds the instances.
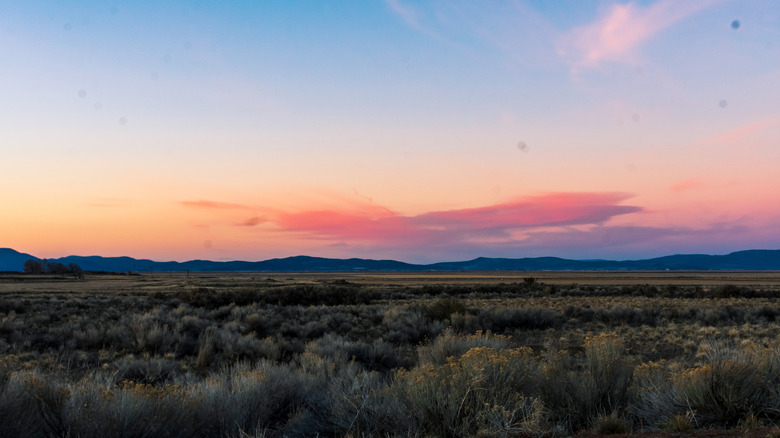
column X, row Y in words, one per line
column 123, row 121
column 113, row 10
column 97, row 106
column 522, row 146
column 67, row 27
column 723, row 103
column 208, row 244
column 82, row 93
column 187, row 45
column 154, row 76
column 167, row 57
column 735, row 24
column 635, row 117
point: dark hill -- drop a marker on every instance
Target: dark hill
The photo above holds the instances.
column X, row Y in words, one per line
column 11, row 260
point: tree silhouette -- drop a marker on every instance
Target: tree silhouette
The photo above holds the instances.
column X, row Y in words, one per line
column 33, row 267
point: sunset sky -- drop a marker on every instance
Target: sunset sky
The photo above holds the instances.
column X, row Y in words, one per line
column 417, row 131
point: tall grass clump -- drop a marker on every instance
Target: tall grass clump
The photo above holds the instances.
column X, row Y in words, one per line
column 452, row 345
column 278, row 400
column 653, row 399
column 579, row 390
column 731, row 385
column 480, row 392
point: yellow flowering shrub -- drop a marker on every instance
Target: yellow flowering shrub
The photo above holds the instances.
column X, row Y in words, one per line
column 482, row 390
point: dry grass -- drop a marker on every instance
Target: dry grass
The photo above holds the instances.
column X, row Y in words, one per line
column 387, row 354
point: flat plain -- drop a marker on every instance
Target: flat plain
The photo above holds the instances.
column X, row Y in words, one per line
column 390, row 353
column 12, row 282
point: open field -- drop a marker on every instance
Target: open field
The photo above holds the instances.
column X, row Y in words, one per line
column 389, row 354
column 703, row 278
column 146, row 281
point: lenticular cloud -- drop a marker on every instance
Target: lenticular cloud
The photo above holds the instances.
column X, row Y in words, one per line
column 380, row 225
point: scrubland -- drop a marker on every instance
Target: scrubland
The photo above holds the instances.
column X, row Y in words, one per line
column 334, row 355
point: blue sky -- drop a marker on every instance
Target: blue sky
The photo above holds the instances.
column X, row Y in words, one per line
column 147, row 120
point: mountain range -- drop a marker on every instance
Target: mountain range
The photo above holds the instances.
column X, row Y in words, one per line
column 11, row 260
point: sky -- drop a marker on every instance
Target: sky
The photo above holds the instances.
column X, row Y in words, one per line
column 419, row 131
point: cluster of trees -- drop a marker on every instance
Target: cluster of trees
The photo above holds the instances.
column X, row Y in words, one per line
column 43, row 266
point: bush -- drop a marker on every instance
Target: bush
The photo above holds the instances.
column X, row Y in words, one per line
column 654, row 403
column 501, row 319
column 731, row 385
column 443, row 308
column 450, row 345
column 579, row 391
column 480, row 391
column 267, row 398
column 318, row 295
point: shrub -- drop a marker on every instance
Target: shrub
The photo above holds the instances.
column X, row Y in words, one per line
column 210, row 298
column 377, row 355
column 451, row 345
column 730, row 291
column 482, row 390
column 318, row 295
column 150, row 371
column 654, row 403
column 578, row 391
column 443, row 308
column 130, row 409
column 501, row 319
column 731, row 385
column 268, row 398
column 407, row 325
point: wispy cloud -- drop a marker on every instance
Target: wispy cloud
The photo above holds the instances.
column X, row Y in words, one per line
column 496, row 223
column 413, row 18
column 575, row 225
column 621, row 30
column 512, row 27
column 406, row 12
column 767, row 129
column 558, row 209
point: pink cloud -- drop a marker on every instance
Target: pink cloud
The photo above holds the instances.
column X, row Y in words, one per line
column 495, row 223
column 556, row 209
column 739, row 135
column 370, row 223
column 617, row 35
column 573, row 225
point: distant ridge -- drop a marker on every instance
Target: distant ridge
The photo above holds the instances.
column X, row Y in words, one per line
column 750, row 260
column 11, row 260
